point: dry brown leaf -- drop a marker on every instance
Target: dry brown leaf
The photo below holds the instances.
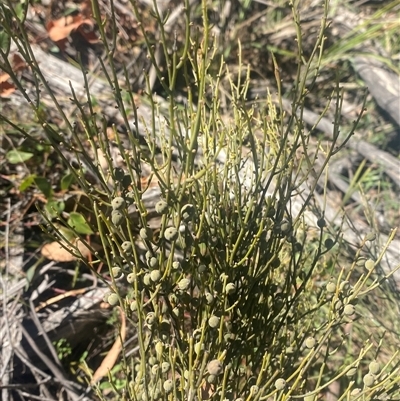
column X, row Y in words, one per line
column 60, row 29
column 6, row 88
column 54, row 251
column 109, row 361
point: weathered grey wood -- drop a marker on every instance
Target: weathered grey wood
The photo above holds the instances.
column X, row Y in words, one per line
column 384, row 85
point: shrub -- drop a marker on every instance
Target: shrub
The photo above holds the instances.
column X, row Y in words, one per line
column 220, row 256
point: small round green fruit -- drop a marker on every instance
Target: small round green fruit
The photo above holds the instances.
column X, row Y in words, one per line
column 369, row 380
column 280, row 384
column 118, row 203
column 184, row 284
column 117, row 217
column 127, row 247
column 171, row 234
column 155, row 276
column 230, row 288
column 213, row 321
column 113, row 299
column 310, row 342
column 168, row 386
column 349, row 310
column 165, row 367
column 161, row 207
column 331, row 287
column 374, row 368
column 215, row 367
column 130, row 278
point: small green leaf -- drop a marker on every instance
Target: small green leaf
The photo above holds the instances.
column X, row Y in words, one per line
column 20, row 10
column 79, row 224
column 5, row 42
column 54, row 208
column 66, row 181
column 25, row 184
column 18, row 156
column 44, row 186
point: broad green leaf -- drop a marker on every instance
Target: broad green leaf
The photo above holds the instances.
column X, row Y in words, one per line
column 78, row 223
column 18, row 156
column 25, row 184
column 44, row 185
column 66, row 181
column 54, row 208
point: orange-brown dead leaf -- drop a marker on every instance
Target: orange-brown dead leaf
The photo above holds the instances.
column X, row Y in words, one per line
column 60, row 29
column 18, row 62
column 6, row 88
column 109, row 361
column 54, row 251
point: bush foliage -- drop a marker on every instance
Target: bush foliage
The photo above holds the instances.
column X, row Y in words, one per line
column 212, row 226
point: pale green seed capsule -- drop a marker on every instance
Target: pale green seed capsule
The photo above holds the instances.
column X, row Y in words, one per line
column 374, row 368
column 230, row 288
column 116, row 270
column 127, row 247
column 152, row 360
column 168, row 386
column 133, row 306
column 211, row 379
column 369, row 380
column 130, row 278
column 215, row 367
column 155, row 276
column 165, row 367
column 154, row 369
column 113, row 299
column 310, row 342
column 171, row 234
column 254, row 390
column 338, row 305
column 331, row 287
column 280, row 384
column 153, row 262
column 369, row 264
column 118, row 203
column 213, row 321
column 351, row 372
column 176, row 265
column 147, row 279
column 117, row 217
column 198, row 347
column 349, row 310
column 184, row 284
column 161, row 207
column 209, row 298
